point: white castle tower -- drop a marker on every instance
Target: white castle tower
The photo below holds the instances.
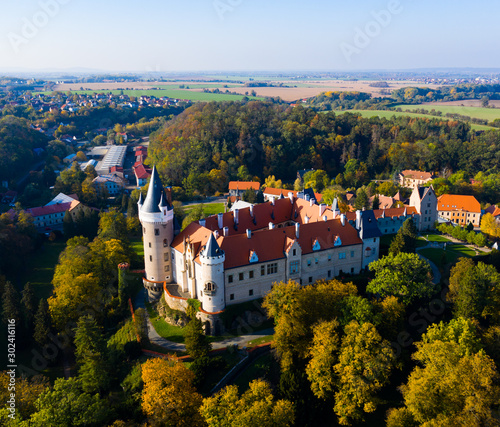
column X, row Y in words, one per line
column 212, row 270
column 157, row 219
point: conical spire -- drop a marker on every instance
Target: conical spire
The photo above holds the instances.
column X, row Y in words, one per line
column 155, row 193
column 141, row 200
column 212, row 248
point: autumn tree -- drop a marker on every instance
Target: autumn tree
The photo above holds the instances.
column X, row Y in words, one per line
column 405, row 276
column 256, row 407
column 365, row 363
column 489, row 225
column 168, row 397
column 454, row 384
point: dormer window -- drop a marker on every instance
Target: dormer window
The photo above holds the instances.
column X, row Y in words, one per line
column 253, row 257
column 337, row 241
column 316, row 245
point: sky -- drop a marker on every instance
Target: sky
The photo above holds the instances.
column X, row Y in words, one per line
column 248, row 35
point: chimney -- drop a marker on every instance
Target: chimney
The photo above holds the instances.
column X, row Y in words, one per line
column 249, row 233
column 226, row 231
column 306, row 219
column 236, row 216
column 273, row 201
column 202, row 222
column 307, row 197
column 297, row 228
column 325, row 218
column 219, row 220
column 290, row 196
column 271, row 226
column 322, row 209
column 358, row 219
column 251, row 211
column 311, row 202
column 168, row 192
column 342, row 219
column 216, row 234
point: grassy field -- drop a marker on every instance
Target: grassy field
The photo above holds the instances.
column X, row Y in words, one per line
column 137, row 246
column 489, row 114
column 171, row 93
column 208, row 208
column 39, row 269
column 461, row 250
column 199, row 86
column 436, row 255
column 387, row 114
column 435, row 238
column 259, row 341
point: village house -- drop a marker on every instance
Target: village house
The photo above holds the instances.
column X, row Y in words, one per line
column 461, row 210
column 412, row 179
column 237, row 188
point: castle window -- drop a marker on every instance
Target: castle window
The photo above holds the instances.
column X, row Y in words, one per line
column 250, row 292
column 231, row 297
column 165, row 243
column 157, row 231
column 167, row 268
column 294, row 252
column 352, row 254
column 294, row 267
column 310, row 279
column 149, row 244
column 262, row 270
column 329, row 273
column 272, row 268
column 342, row 255
column 352, row 270
column 308, row 262
column 250, row 274
column 329, row 257
column 230, row 278
column 316, row 260
column 151, row 258
column 241, row 276
column 165, row 256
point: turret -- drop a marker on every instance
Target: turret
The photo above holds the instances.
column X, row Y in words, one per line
column 212, row 259
column 157, row 219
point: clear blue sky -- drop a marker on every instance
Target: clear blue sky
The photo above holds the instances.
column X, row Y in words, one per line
column 166, row 35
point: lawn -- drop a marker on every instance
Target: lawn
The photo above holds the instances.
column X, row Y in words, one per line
column 137, row 246
column 435, row 255
column 170, row 93
column 261, row 340
column 436, row 238
column 164, row 329
column 208, row 208
column 462, row 250
column 387, row 114
column 40, row 266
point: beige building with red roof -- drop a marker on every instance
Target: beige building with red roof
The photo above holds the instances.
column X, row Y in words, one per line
column 459, row 209
column 237, row 188
column 412, row 179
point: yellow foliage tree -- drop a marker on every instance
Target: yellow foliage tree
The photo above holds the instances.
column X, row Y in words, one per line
column 490, row 226
column 169, row 397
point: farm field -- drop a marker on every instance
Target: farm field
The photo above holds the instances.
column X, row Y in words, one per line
column 489, row 114
column 387, row 114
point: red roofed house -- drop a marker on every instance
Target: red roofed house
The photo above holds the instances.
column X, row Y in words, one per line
column 461, row 210
column 142, row 174
column 237, row 256
column 412, row 179
column 51, row 217
column 237, row 188
column 495, row 211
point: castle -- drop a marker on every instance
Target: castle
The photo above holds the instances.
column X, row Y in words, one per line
column 237, row 256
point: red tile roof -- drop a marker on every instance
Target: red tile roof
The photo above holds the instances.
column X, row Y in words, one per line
column 416, row 174
column 494, row 210
column 141, row 172
column 453, row 202
column 52, row 209
column 244, row 185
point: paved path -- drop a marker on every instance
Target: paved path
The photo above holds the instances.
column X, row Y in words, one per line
column 241, row 340
column 436, row 275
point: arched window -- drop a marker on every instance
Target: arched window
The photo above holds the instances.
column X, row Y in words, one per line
column 165, row 243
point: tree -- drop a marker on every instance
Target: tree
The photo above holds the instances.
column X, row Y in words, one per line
column 197, row 345
column 42, row 323
column 256, row 407
column 91, row 356
column 271, row 182
column 168, row 396
column 365, row 363
column 406, row 238
column 405, row 276
column 376, row 202
column 397, row 244
column 68, row 225
column 195, row 214
column 11, row 308
column 28, row 303
column 249, row 196
column 67, row 405
column 27, row 392
column 324, row 356
column 474, row 290
column 489, row 225
column 362, row 201
column 457, row 384
column 112, row 225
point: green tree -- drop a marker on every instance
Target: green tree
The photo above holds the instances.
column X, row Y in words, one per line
column 42, row 323
column 112, row 225
column 67, row 405
column 397, row 244
column 197, row 345
column 249, row 196
column 28, row 304
column 11, row 307
column 91, row 356
column 69, row 228
column 405, row 276
column 365, row 363
column 362, row 201
column 256, row 407
column 195, row 214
